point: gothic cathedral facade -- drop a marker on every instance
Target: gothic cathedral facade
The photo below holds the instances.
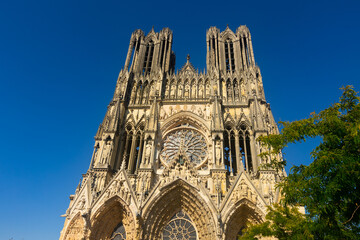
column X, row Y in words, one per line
column 176, row 155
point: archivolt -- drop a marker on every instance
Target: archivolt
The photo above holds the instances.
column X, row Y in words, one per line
column 108, row 216
column 242, row 212
column 177, row 196
column 185, row 117
column 75, row 228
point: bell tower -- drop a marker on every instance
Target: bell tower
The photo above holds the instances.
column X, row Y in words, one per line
column 228, row 51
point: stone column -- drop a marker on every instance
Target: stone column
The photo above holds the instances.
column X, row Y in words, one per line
column 244, row 60
column 238, row 155
column 245, row 151
column 120, row 152
column 140, row 155
column 132, row 153
column 237, row 55
column 254, row 154
column 216, row 60
column 230, row 157
column 128, row 56
column 251, row 50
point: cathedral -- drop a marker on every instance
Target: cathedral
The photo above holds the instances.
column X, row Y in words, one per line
column 176, row 156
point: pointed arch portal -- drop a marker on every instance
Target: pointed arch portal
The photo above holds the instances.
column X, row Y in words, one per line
column 178, row 204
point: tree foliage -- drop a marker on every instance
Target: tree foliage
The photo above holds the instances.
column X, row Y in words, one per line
column 282, row 222
column 329, row 187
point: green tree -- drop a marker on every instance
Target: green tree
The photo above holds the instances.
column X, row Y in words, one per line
column 329, row 187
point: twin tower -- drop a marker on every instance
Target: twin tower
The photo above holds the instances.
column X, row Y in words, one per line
column 176, row 155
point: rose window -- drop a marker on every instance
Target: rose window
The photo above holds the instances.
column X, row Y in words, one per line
column 180, row 227
column 184, row 143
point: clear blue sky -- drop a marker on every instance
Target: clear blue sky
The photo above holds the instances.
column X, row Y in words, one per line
column 59, row 62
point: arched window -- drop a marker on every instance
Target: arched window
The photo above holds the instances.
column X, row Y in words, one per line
column 230, row 151
column 180, row 227
column 245, row 148
column 148, row 57
column 119, row 233
column 229, row 56
column 163, row 43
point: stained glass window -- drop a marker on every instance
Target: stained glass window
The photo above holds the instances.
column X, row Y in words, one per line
column 184, row 142
column 119, row 233
column 180, row 227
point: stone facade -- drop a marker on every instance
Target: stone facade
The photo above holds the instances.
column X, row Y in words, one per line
column 176, row 155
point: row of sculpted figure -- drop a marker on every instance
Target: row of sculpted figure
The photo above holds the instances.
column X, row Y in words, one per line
column 188, row 90
column 142, row 91
column 233, row 91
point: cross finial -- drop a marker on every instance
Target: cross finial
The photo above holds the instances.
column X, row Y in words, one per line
column 188, row 57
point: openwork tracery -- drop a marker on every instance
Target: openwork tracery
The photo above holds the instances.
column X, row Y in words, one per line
column 184, row 143
column 180, row 227
column 237, row 149
column 132, row 145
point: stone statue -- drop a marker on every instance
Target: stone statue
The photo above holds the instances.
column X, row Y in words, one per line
column 167, row 91
column 229, row 91
column 218, row 152
column 187, row 90
column 193, row 91
column 147, row 152
column 201, row 91
column 180, row 91
column 236, row 90
column 172, row 92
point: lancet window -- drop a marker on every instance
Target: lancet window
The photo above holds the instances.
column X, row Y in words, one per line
column 148, row 57
column 212, row 50
column 247, row 50
column 134, row 51
column 133, row 144
column 164, row 45
column 119, row 233
column 212, row 43
column 229, row 56
column 237, row 150
column 244, row 46
column 180, row 227
column 230, row 151
column 245, row 148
